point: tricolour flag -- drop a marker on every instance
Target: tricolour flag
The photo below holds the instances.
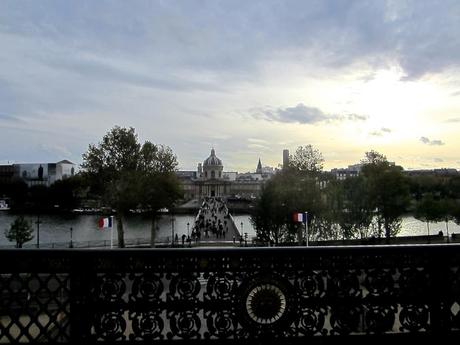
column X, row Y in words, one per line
column 299, row 217
column 105, row 222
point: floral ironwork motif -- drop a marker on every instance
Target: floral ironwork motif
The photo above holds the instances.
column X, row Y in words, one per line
column 211, row 295
column 266, row 304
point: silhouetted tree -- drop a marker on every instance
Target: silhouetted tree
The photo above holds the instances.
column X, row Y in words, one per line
column 428, row 210
column 388, row 191
column 307, row 159
column 296, row 189
column 119, row 169
column 20, row 232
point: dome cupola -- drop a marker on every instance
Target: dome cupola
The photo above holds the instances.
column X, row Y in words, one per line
column 212, row 167
column 212, row 160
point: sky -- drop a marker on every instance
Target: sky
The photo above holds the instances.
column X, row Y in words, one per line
column 249, row 78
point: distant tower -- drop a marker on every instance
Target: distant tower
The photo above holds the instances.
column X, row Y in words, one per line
column 259, row 168
column 285, row 158
column 200, row 170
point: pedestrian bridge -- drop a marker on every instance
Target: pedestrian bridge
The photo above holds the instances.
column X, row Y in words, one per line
column 231, row 295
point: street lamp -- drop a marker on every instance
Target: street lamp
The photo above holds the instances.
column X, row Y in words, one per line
column 172, row 230
column 71, row 244
column 188, row 224
column 38, row 230
column 241, row 228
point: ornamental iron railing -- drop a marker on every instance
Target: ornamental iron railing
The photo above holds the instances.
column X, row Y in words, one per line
column 240, row 295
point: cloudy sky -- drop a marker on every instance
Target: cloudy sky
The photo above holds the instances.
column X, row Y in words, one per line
column 249, row 78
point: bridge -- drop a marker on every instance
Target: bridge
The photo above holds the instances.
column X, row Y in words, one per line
column 315, row 295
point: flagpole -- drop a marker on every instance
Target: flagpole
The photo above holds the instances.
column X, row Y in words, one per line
column 306, row 228
column 111, row 234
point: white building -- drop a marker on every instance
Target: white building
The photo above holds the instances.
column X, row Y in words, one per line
column 44, row 173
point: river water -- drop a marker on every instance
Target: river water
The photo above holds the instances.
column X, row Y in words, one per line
column 56, row 228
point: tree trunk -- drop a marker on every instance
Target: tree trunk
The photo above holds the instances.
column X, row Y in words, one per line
column 152, row 233
column 447, row 228
column 120, row 232
column 299, row 234
column 387, row 229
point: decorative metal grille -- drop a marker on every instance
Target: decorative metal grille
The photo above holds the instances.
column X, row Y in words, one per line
column 211, row 295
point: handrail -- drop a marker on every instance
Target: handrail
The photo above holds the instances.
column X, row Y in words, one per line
column 241, row 295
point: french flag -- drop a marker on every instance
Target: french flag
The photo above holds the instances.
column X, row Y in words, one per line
column 299, row 217
column 105, row 222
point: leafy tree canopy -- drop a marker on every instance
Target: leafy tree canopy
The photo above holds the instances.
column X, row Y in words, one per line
column 127, row 174
column 306, row 159
column 20, row 232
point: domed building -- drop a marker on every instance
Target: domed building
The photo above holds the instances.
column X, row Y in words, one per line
column 210, row 180
column 212, row 166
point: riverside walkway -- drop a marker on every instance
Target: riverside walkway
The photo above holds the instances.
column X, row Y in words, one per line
column 213, row 227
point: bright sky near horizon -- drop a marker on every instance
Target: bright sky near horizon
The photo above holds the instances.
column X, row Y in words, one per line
column 249, row 78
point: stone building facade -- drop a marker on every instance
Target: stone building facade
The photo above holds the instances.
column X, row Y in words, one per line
column 210, row 180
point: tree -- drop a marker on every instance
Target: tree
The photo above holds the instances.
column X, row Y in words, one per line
column 356, row 211
column 20, row 232
column 120, row 168
column 269, row 214
column 307, row 159
column 160, row 186
column 374, row 158
column 447, row 211
column 388, row 191
column 296, row 189
column 428, row 210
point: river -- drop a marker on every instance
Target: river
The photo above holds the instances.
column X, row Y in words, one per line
column 56, row 228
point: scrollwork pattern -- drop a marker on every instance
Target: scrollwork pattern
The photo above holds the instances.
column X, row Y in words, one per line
column 110, row 326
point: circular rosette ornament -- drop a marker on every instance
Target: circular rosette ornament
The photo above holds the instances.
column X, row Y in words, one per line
column 147, row 325
column 110, row 325
column 185, row 325
column 220, row 287
column 146, row 288
column 414, row 318
column 109, row 288
column 266, row 304
column 184, row 287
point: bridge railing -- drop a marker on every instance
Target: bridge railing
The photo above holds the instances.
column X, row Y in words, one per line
column 240, row 295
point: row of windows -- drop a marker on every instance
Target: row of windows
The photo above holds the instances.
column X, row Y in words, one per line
column 213, row 174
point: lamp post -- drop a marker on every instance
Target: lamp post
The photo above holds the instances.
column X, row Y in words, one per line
column 71, row 243
column 188, row 224
column 38, row 230
column 172, row 230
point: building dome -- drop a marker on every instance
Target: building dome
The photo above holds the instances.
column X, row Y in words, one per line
column 212, row 160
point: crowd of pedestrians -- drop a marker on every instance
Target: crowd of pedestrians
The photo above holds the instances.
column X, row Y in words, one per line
column 213, row 221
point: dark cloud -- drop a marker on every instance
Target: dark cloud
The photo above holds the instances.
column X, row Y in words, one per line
column 236, row 36
column 427, row 141
column 380, row 132
column 302, row 114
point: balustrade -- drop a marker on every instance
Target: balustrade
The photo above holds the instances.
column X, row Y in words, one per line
column 241, row 295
